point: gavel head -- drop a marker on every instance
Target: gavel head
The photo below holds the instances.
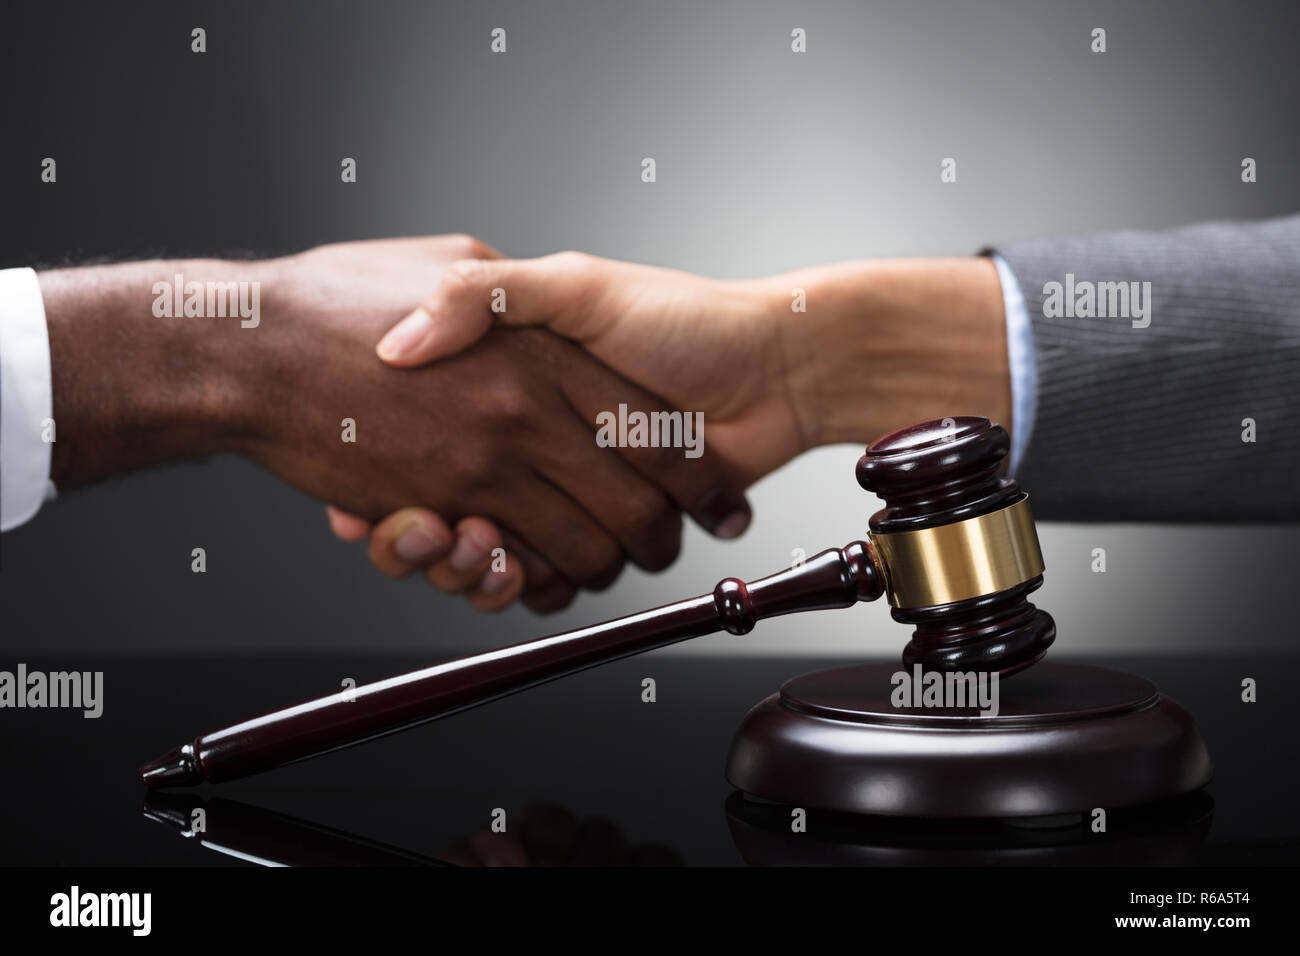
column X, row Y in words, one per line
column 956, row 547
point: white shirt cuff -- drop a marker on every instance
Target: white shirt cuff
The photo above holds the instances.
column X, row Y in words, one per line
column 26, row 401
column 1020, row 357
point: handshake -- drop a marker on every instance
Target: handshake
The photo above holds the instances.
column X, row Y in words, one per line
column 513, row 429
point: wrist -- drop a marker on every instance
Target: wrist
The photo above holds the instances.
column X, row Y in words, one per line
column 146, row 365
column 887, row 343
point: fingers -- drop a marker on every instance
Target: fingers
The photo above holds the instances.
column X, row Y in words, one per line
column 450, row 247
column 568, row 537
column 346, row 526
column 632, row 509
column 497, row 590
column 698, row 483
column 489, row 566
column 545, row 589
column 468, row 560
column 479, row 567
column 473, row 293
column 408, row 539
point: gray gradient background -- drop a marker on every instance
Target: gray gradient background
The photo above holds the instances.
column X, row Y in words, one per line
column 766, row 161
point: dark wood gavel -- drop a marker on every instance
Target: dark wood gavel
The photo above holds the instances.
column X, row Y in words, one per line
column 954, row 549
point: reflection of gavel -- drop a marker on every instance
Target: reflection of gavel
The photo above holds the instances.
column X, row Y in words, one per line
column 955, row 550
column 546, row 835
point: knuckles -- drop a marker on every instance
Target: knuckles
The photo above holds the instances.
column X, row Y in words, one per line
column 654, row 528
column 571, row 275
column 463, row 246
column 550, row 599
column 571, row 261
column 509, row 406
column 463, row 281
column 597, row 565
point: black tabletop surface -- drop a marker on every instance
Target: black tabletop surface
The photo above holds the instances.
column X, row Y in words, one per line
column 584, row 770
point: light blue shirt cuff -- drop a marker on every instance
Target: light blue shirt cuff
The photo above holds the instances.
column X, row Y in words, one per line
column 1020, row 357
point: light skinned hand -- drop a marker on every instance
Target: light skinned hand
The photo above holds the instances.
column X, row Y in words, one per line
column 703, row 345
column 834, row 353
column 459, row 560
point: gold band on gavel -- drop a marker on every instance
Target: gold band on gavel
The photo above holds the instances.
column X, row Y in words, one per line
column 965, row 559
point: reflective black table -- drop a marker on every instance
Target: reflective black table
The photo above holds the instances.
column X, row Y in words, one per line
column 581, row 771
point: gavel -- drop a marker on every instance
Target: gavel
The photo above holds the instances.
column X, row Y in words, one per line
column 954, row 550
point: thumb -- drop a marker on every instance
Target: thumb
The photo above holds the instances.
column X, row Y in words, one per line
column 471, row 295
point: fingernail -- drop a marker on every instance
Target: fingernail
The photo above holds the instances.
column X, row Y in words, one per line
column 732, row 526
column 467, row 554
column 406, row 335
column 415, row 545
column 493, row 582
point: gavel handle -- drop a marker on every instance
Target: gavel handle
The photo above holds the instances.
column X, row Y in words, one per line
column 839, row 577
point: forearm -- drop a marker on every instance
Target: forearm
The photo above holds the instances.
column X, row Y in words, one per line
column 890, row 342
column 132, row 388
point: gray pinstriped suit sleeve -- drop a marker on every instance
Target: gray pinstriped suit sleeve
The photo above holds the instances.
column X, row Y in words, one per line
column 1146, row 423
